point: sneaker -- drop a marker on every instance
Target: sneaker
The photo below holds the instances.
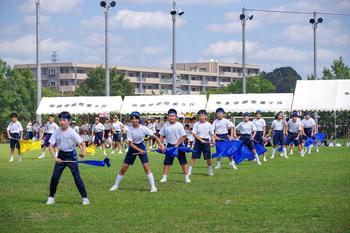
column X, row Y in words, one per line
column 112, row 152
column 150, row 147
column 286, row 156
column 163, row 180
column 317, row 150
column 259, row 163
column 291, row 153
column 50, row 201
column 302, row 154
column 217, row 166
column 272, row 157
column 187, row 179
column 211, row 173
column 265, row 160
column 41, row 156
column 230, row 164
column 153, row 190
column 114, row 187
column 19, row 158
column 120, row 152
column 104, row 153
column 11, row 159
column 86, row 201
column 234, row 166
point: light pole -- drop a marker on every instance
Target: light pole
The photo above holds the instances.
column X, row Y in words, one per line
column 243, row 17
column 315, row 21
column 174, row 13
column 106, row 5
column 38, row 68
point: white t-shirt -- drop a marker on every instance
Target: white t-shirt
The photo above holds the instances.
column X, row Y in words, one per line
column 85, row 137
column 117, row 126
column 15, row 127
column 278, row 124
column 294, row 127
column 172, row 132
column 98, row 128
column 85, row 127
column 221, row 126
column 259, row 123
column 36, row 127
column 50, row 127
column 203, row 130
column 308, row 123
column 65, row 140
column 108, row 126
column 246, row 127
column 137, row 135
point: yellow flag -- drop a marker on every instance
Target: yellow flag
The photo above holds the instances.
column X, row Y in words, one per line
column 91, row 149
column 26, row 145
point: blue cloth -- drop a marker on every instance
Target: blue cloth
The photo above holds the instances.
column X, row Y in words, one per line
column 320, row 137
column 309, row 141
column 174, row 151
column 97, row 163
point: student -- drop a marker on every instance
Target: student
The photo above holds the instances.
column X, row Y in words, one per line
column 66, row 139
column 278, row 128
column 117, row 128
column 202, row 132
column 36, row 130
column 293, row 132
column 137, row 148
column 150, row 126
column 86, row 126
column 247, row 131
column 108, row 128
column 97, row 134
column 86, row 138
column 260, row 125
column 221, row 127
column 175, row 135
column 48, row 130
column 29, row 129
column 309, row 129
column 15, row 134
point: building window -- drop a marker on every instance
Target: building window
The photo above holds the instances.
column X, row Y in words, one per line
column 52, row 84
column 53, row 72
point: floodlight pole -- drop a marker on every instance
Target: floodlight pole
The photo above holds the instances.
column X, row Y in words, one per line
column 107, row 91
column 38, row 67
column 244, row 78
column 174, row 51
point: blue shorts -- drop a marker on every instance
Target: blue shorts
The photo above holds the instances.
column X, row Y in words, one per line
column 130, row 157
column 30, row 135
column 247, row 141
column 47, row 139
column 71, row 155
column 98, row 138
column 259, row 138
column 199, row 148
column 278, row 138
column 168, row 161
column 14, row 141
column 223, row 136
column 308, row 132
column 292, row 138
column 117, row 137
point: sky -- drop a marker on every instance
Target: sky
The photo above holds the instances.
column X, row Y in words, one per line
column 141, row 32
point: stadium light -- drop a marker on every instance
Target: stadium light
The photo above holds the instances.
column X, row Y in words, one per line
column 243, row 17
column 106, row 5
column 174, row 13
column 38, row 67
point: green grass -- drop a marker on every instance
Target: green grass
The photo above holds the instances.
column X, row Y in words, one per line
column 297, row 195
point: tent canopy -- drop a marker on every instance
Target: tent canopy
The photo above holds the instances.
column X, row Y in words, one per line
column 269, row 102
column 80, row 105
column 322, row 95
column 161, row 104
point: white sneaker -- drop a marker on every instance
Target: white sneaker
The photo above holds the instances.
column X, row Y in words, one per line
column 50, row 201
column 317, row 150
column 290, row 153
column 41, row 156
column 187, row 179
column 230, row 164
column 217, row 166
column 211, row 173
column 104, row 152
column 153, row 190
column 86, row 201
column 112, row 153
column 302, row 154
column 120, row 152
column 163, row 180
column 234, row 166
column 286, row 156
column 265, row 160
column 114, row 187
column 11, row 159
column 150, row 147
column 272, row 157
column 19, row 158
column 259, row 163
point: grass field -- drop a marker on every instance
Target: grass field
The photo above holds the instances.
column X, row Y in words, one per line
column 297, row 195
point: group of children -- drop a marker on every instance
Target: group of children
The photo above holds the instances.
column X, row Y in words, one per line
column 62, row 141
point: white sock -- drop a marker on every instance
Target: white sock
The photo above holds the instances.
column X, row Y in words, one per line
column 190, row 169
column 218, row 163
column 273, row 152
column 284, row 151
column 165, row 176
column 117, row 180
column 187, row 176
column 210, row 168
column 151, row 180
column 257, row 158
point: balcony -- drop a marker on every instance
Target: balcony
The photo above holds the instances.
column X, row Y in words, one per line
column 67, row 88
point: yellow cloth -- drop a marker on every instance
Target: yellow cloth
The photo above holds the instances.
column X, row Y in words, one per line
column 91, row 149
column 26, row 145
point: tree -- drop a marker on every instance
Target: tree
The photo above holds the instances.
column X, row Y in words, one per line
column 94, row 85
column 284, row 78
column 338, row 70
column 255, row 84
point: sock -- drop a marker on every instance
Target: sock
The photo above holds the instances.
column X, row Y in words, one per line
column 151, row 180
column 218, row 163
column 189, row 169
column 117, row 180
column 11, row 156
column 210, row 168
column 284, row 151
column 257, row 158
column 187, row 176
column 165, row 176
column 273, row 152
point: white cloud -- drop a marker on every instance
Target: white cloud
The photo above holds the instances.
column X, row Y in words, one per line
column 229, row 48
column 281, row 54
column 154, row 50
column 51, row 6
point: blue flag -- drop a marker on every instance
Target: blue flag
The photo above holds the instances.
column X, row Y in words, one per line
column 309, row 142
column 174, row 151
column 221, row 147
column 97, row 163
column 320, row 137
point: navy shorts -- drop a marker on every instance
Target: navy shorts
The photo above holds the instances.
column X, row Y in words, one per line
column 247, row 141
column 47, row 139
column 292, row 138
column 223, row 136
column 106, row 133
column 14, row 141
column 308, row 132
column 98, row 138
column 30, row 135
column 117, row 137
column 259, row 138
column 278, row 138
column 130, row 157
column 181, row 157
column 201, row 148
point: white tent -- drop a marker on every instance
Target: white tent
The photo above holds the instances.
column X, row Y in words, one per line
column 80, row 105
column 322, row 95
column 269, row 102
column 161, row 104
